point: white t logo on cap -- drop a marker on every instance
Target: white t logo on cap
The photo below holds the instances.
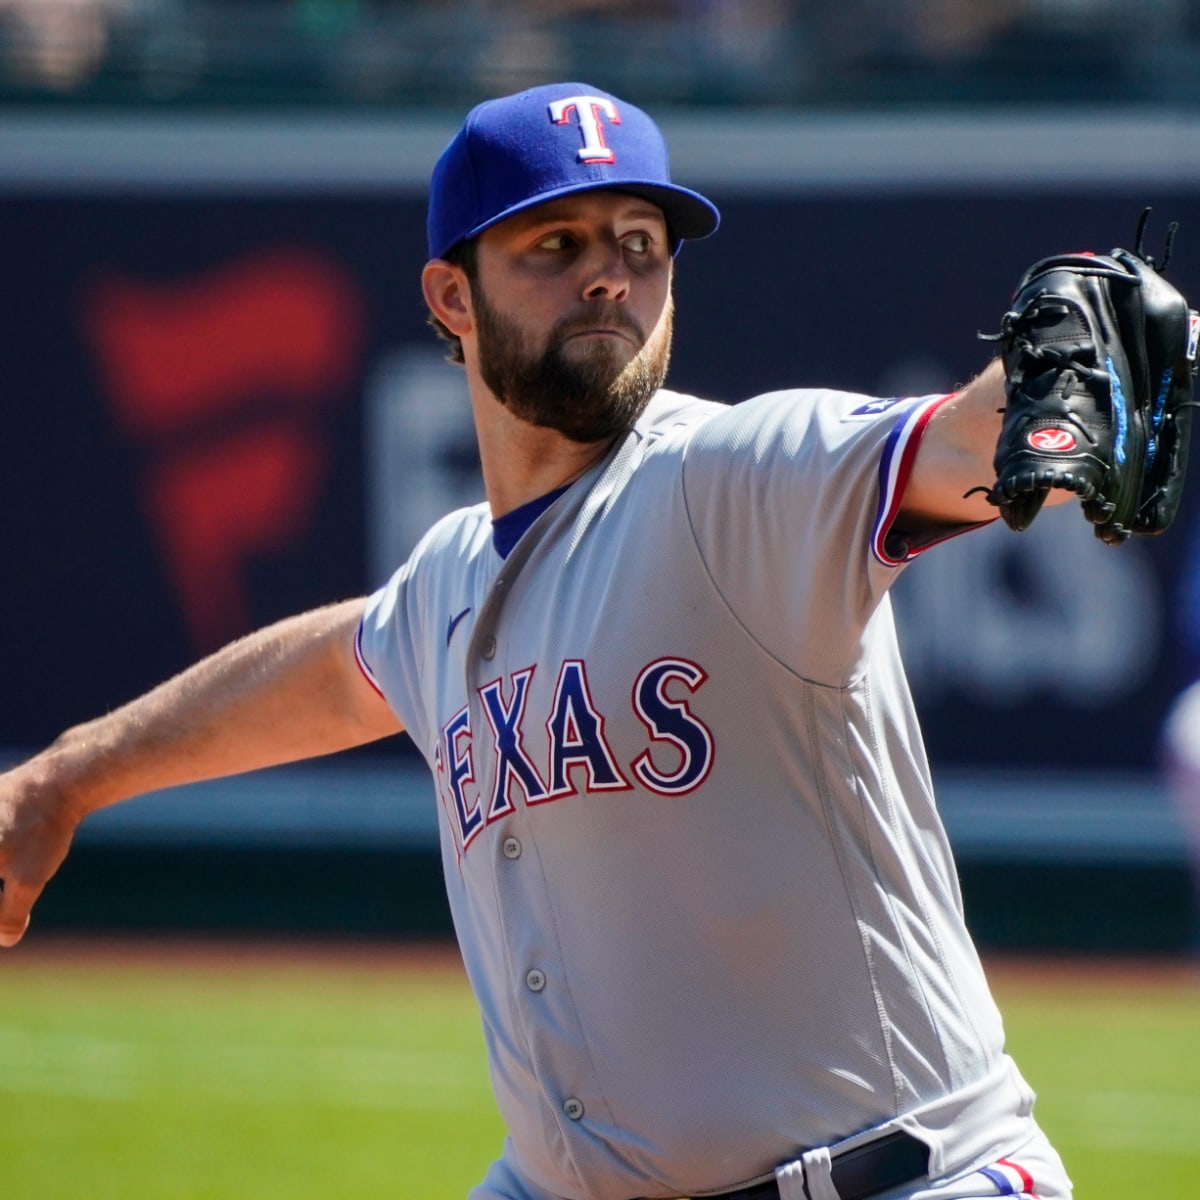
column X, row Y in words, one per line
column 587, row 110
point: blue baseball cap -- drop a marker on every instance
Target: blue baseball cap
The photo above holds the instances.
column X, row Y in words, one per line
column 521, row 150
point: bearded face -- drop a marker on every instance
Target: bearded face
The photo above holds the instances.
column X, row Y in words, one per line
column 589, row 389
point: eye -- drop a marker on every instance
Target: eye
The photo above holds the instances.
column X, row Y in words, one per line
column 639, row 243
column 555, row 241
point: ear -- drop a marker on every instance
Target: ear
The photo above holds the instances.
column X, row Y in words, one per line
column 448, row 295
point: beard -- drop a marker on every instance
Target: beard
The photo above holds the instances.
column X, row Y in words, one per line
column 590, row 396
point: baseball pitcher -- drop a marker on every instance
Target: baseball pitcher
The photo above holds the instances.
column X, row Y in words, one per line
column 690, row 842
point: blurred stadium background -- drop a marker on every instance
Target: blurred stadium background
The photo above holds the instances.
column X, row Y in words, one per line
column 396, row 54
column 222, row 406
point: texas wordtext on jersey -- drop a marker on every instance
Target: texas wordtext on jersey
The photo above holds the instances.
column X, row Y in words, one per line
column 575, row 741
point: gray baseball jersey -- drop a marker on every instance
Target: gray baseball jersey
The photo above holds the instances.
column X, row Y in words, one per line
column 701, row 887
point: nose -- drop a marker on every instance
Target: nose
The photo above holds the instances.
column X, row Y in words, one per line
column 607, row 273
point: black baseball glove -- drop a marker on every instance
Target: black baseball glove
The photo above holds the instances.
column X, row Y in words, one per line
column 1099, row 355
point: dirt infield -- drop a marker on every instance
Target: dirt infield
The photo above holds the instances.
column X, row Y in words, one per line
column 443, row 957
column 1102, row 971
column 232, row 953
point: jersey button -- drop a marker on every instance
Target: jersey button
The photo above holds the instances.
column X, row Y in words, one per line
column 573, row 1108
column 535, row 979
column 487, row 647
column 511, row 847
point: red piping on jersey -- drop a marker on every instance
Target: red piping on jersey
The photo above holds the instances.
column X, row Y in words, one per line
column 368, row 674
column 905, row 439
column 1024, row 1175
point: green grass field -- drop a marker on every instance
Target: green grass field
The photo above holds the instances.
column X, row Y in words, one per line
column 139, row 1074
column 1114, row 1054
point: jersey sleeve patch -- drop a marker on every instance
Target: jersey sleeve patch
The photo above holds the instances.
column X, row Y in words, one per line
column 873, row 408
column 895, row 468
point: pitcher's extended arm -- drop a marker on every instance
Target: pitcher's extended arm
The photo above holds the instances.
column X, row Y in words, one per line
column 290, row 691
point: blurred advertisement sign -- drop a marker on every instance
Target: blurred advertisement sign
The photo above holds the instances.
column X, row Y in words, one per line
column 222, row 382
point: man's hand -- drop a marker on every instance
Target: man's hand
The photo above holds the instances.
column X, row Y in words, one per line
column 36, row 828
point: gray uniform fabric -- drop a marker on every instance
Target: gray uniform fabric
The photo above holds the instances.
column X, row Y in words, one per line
column 701, row 887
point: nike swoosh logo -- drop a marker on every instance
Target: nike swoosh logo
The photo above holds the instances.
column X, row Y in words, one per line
column 453, row 625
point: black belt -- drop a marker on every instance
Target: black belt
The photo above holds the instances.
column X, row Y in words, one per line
column 860, row 1173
